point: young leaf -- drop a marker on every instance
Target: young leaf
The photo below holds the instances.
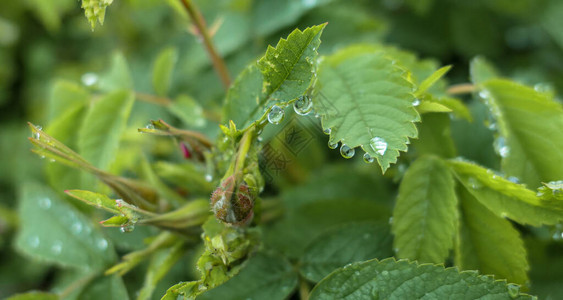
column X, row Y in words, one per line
column 391, row 279
column 431, row 80
column 504, row 198
column 95, row 199
column 429, row 103
column 265, row 276
column 102, row 127
column 425, row 213
column 366, row 101
column 529, row 122
column 489, row 243
column 343, row 245
column 162, row 70
column 281, row 75
column 54, row 231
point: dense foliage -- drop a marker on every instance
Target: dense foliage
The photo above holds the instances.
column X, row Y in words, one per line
column 393, row 149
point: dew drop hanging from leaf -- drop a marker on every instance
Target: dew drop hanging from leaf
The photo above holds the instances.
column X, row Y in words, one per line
column 346, row 151
column 303, row 105
column 368, row 158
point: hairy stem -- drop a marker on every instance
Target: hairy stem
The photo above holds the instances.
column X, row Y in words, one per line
column 199, row 22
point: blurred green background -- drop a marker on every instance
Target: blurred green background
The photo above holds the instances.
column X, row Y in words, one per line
column 43, row 41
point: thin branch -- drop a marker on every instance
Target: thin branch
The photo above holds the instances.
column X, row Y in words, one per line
column 153, row 99
column 463, row 88
column 199, row 22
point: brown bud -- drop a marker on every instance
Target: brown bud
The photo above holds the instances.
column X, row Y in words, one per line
column 231, row 204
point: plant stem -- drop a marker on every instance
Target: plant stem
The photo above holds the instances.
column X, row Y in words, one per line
column 153, row 99
column 463, row 88
column 199, row 22
column 304, row 289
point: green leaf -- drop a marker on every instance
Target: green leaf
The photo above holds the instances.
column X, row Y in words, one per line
column 481, row 70
column 188, row 111
column 51, row 230
column 265, row 276
column 95, row 199
column 434, row 136
column 551, row 194
column 161, row 263
column 529, row 123
column 291, row 235
column 430, row 103
column 162, row 70
column 163, row 190
column 65, row 96
column 551, row 21
column 103, row 125
column 118, row 76
column 425, row 213
column 343, row 245
column 287, row 67
column 366, row 101
column 105, row 287
column 281, row 75
column 489, row 243
column 390, row 279
column 34, row 295
column 67, row 105
column 431, row 80
column 504, row 198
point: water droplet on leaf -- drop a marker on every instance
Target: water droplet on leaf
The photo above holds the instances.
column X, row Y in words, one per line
column 368, row 158
column 416, row 102
column 474, row 183
column 45, row 203
column 500, row 147
column 303, row 105
column 276, row 114
column 76, row 227
column 127, row 228
column 346, row 151
column 57, row 247
column 89, row 79
column 332, row 145
column 378, row 145
column 327, row 131
column 34, row 241
column 208, row 177
column 102, row 244
column 513, row 290
column 513, row 179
